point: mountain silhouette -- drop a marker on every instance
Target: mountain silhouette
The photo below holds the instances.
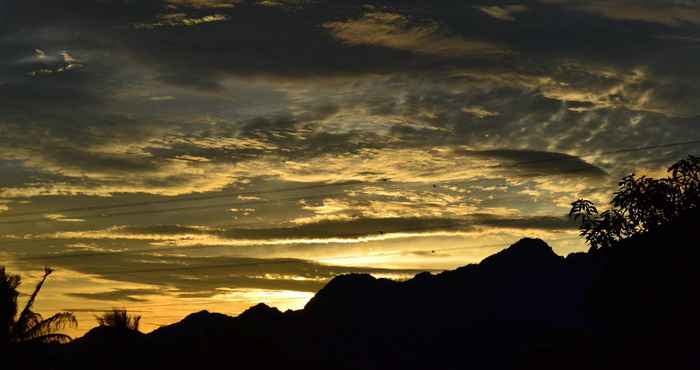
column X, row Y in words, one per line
column 631, row 306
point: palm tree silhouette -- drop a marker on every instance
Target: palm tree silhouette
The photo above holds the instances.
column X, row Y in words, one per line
column 119, row 319
column 29, row 326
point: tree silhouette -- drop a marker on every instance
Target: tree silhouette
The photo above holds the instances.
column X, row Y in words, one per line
column 119, row 319
column 29, row 326
column 641, row 204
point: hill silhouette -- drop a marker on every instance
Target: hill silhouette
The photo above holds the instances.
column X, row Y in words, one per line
column 632, row 306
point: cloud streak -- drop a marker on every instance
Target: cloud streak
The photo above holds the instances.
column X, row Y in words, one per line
column 396, row 31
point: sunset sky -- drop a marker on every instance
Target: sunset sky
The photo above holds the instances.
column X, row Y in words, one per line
column 168, row 156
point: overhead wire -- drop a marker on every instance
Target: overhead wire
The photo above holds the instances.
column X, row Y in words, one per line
column 452, row 224
column 301, row 197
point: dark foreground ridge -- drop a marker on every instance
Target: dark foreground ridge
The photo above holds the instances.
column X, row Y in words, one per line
column 631, row 306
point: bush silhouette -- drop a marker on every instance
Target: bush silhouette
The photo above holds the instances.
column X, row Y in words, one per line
column 641, row 204
column 29, row 326
column 119, row 319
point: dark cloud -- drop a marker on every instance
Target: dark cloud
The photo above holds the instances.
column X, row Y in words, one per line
column 322, row 230
column 128, row 295
column 196, row 275
column 530, row 162
column 294, row 43
column 536, row 222
column 361, row 227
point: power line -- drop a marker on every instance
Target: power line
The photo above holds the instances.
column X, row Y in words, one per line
column 456, row 225
column 282, row 261
column 626, row 150
column 301, row 188
column 200, row 207
column 186, row 199
column 177, row 209
column 225, row 205
column 221, row 205
column 164, row 201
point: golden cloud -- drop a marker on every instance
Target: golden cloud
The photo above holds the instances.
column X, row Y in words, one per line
column 479, row 112
column 504, row 13
column 205, row 4
column 397, row 32
column 181, row 19
column 625, row 10
column 171, row 179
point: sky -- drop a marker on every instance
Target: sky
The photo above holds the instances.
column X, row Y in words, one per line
column 169, row 156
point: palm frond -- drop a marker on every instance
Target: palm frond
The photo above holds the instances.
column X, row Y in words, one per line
column 27, row 314
column 20, row 328
column 119, row 319
column 47, row 327
column 53, row 338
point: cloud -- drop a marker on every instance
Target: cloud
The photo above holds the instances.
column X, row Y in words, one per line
column 375, row 202
column 205, row 4
column 358, row 229
column 539, row 222
column 40, row 54
column 127, row 295
column 43, row 64
column 183, row 270
column 62, row 218
column 203, row 276
column 398, row 32
column 669, row 13
column 167, row 178
column 479, row 112
column 323, row 232
column 181, row 19
column 97, row 163
column 534, row 163
column 504, row 13
column 378, row 106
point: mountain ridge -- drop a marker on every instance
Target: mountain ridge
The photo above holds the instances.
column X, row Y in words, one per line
column 522, row 307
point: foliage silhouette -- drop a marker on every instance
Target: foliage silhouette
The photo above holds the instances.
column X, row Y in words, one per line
column 641, row 205
column 119, row 319
column 524, row 307
column 29, row 326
